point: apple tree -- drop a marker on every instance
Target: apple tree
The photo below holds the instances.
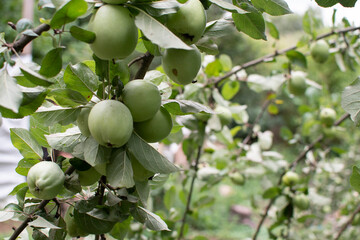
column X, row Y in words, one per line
column 156, row 77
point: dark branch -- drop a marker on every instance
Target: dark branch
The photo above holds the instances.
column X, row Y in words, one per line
column 19, row 45
column 348, row 223
column 146, row 61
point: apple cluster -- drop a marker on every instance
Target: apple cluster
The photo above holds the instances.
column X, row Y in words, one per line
column 111, row 122
column 114, row 41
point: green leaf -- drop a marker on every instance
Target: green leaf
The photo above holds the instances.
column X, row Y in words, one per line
column 68, row 12
column 68, row 97
column 67, row 140
column 218, row 28
column 157, row 33
column 94, row 153
column 23, row 24
column 274, row 32
column 56, row 114
column 24, row 165
column 35, row 77
column 17, row 188
column 120, row 230
column 10, row 92
column 94, row 222
column 151, row 220
column 149, row 157
column 159, row 8
column 170, row 197
column 272, row 7
column 355, row 179
column 82, row 34
column 20, row 195
column 52, row 63
column 309, row 25
column 271, row 192
column 230, row 89
column 252, row 24
column 42, row 223
column 81, row 78
column 330, row 3
column 228, row 6
column 2, row 40
column 119, row 171
column 297, row 58
column 350, row 100
column 143, row 190
column 6, row 215
column 183, row 107
column 25, row 143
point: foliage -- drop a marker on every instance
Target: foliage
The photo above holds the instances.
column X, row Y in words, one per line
column 235, row 125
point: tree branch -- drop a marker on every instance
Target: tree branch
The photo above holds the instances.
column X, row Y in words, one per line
column 187, row 208
column 146, row 61
column 300, row 157
column 277, row 53
column 19, row 45
column 348, row 222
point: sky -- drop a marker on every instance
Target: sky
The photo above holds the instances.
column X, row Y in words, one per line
column 352, row 14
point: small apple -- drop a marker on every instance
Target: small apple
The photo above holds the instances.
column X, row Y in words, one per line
column 110, row 123
column 301, row 201
column 189, row 22
column 290, row 178
column 320, row 51
column 142, row 98
column 45, row 180
column 297, row 84
column 181, row 65
column 327, row 116
column 116, row 32
column 237, row 178
column 156, row 128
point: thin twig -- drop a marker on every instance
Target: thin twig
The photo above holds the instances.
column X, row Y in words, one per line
column 348, row 222
column 187, row 208
column 300, row 157
column 277, row 53
column 25, row 223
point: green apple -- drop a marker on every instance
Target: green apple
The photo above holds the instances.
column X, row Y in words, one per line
column 189, row 22
column 237, row 178
column 156, row 128
column 142, row 98
column 116, row 32
column 71, row 227
column 88, row 177
column 82, row 121
column 320, row 51
column 327, row 116
column 297, row 84
column 301, row 201
column 45, row 180
column 181, row 65
column 290, row 178
column 110, row 123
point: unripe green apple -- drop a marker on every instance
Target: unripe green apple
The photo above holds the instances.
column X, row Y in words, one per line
column 71, row 227
column 45, row 180
column 181, row 65
column 327, row 116
column 301, row 201
column 290, row 178
column 142, row 98
column 189, row 22
column 116, row 33
column 237, row 178
column 297, row 84
column 88, row 177
column 82, row 121
column 320, row 51
column 114, row 1
column 156, row 128
column 110, row 123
